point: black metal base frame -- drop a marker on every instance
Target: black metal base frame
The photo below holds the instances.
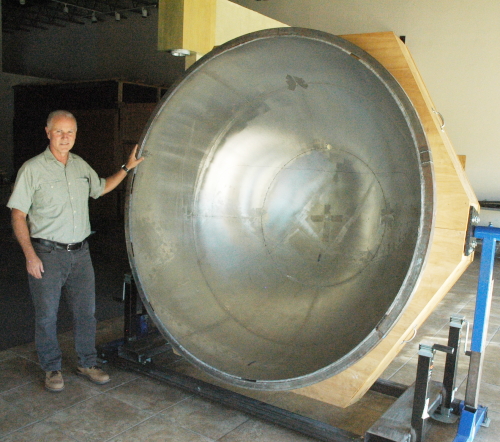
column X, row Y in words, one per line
column 235, row 401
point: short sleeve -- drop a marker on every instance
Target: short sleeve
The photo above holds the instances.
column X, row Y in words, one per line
column 96, row 184
column 22, row 195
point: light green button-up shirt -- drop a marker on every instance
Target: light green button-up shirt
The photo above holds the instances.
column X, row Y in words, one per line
column 55, row 196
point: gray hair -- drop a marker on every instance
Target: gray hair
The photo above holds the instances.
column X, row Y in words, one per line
column 59, row 113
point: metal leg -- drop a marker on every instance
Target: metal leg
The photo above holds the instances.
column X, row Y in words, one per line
column 445, row 412
column 423, row 404
column 130, row 308
column 472, row 414
column 141, row 341
column 451, row 364
column 136, row 324
column 421, row 398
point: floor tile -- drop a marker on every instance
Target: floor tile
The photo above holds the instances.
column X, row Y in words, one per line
column 26, row 351
column 491, row 365
column 490, row 433
column 35, row 400
column 16, row 371
column 157, row 430
column 495, row 335
column 489, row 395
column 406, row 374
column 440, row 432
column 98, row 418
column 377, row 401
column 147, row 394
column 258, row 431
column 11, row 418
column 39, row 432
column 117, row 375
column 6, row 354
column 204, row 417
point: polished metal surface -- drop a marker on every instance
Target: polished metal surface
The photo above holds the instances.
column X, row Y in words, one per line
column 283, row 214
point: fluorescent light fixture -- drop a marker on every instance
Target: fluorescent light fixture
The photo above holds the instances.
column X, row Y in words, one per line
column 180, row 52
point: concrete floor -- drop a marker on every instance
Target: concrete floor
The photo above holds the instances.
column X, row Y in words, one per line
column 135, row 408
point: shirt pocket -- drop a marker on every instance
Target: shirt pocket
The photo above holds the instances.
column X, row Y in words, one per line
column 82, row 188
column 51, row 193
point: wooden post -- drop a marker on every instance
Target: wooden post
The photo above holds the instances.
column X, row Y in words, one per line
column 186, row 24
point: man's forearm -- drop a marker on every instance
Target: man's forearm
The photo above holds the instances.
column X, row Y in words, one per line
column 34, row 265
column 22, row 233
column 113, row 181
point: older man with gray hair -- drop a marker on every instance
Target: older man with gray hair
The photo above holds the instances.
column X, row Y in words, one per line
column 50, row 219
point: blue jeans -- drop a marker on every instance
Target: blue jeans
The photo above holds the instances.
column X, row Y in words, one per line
column 74, row 271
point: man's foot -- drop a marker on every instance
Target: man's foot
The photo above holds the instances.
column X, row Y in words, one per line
column 54, row 381
column 94, row 374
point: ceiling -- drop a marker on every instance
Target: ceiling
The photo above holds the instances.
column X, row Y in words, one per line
column 27, row 15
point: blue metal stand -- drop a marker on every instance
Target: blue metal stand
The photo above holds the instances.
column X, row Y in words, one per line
column 473, row 415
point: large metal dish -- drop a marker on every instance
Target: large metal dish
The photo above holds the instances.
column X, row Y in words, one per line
column 282, row 217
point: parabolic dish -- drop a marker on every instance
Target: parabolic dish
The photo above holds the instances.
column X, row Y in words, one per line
column 282, row 217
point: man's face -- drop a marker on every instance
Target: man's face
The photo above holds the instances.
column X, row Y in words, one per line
column 62, row 135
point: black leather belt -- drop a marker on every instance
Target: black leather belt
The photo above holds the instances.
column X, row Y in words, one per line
column 59, row 245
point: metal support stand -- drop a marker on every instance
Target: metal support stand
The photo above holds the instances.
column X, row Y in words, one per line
column 141, row 341
column 445, row 412
column 407, row 419
column 473, row 415
column 423, row 403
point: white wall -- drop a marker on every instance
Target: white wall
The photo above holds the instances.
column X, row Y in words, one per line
column 455, row 44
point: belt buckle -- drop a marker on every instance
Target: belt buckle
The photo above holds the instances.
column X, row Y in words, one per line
column 68, row 247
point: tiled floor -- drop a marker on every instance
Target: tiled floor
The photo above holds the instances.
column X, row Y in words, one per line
column 136, row 408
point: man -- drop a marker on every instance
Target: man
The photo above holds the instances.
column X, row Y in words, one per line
column 50, row 219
